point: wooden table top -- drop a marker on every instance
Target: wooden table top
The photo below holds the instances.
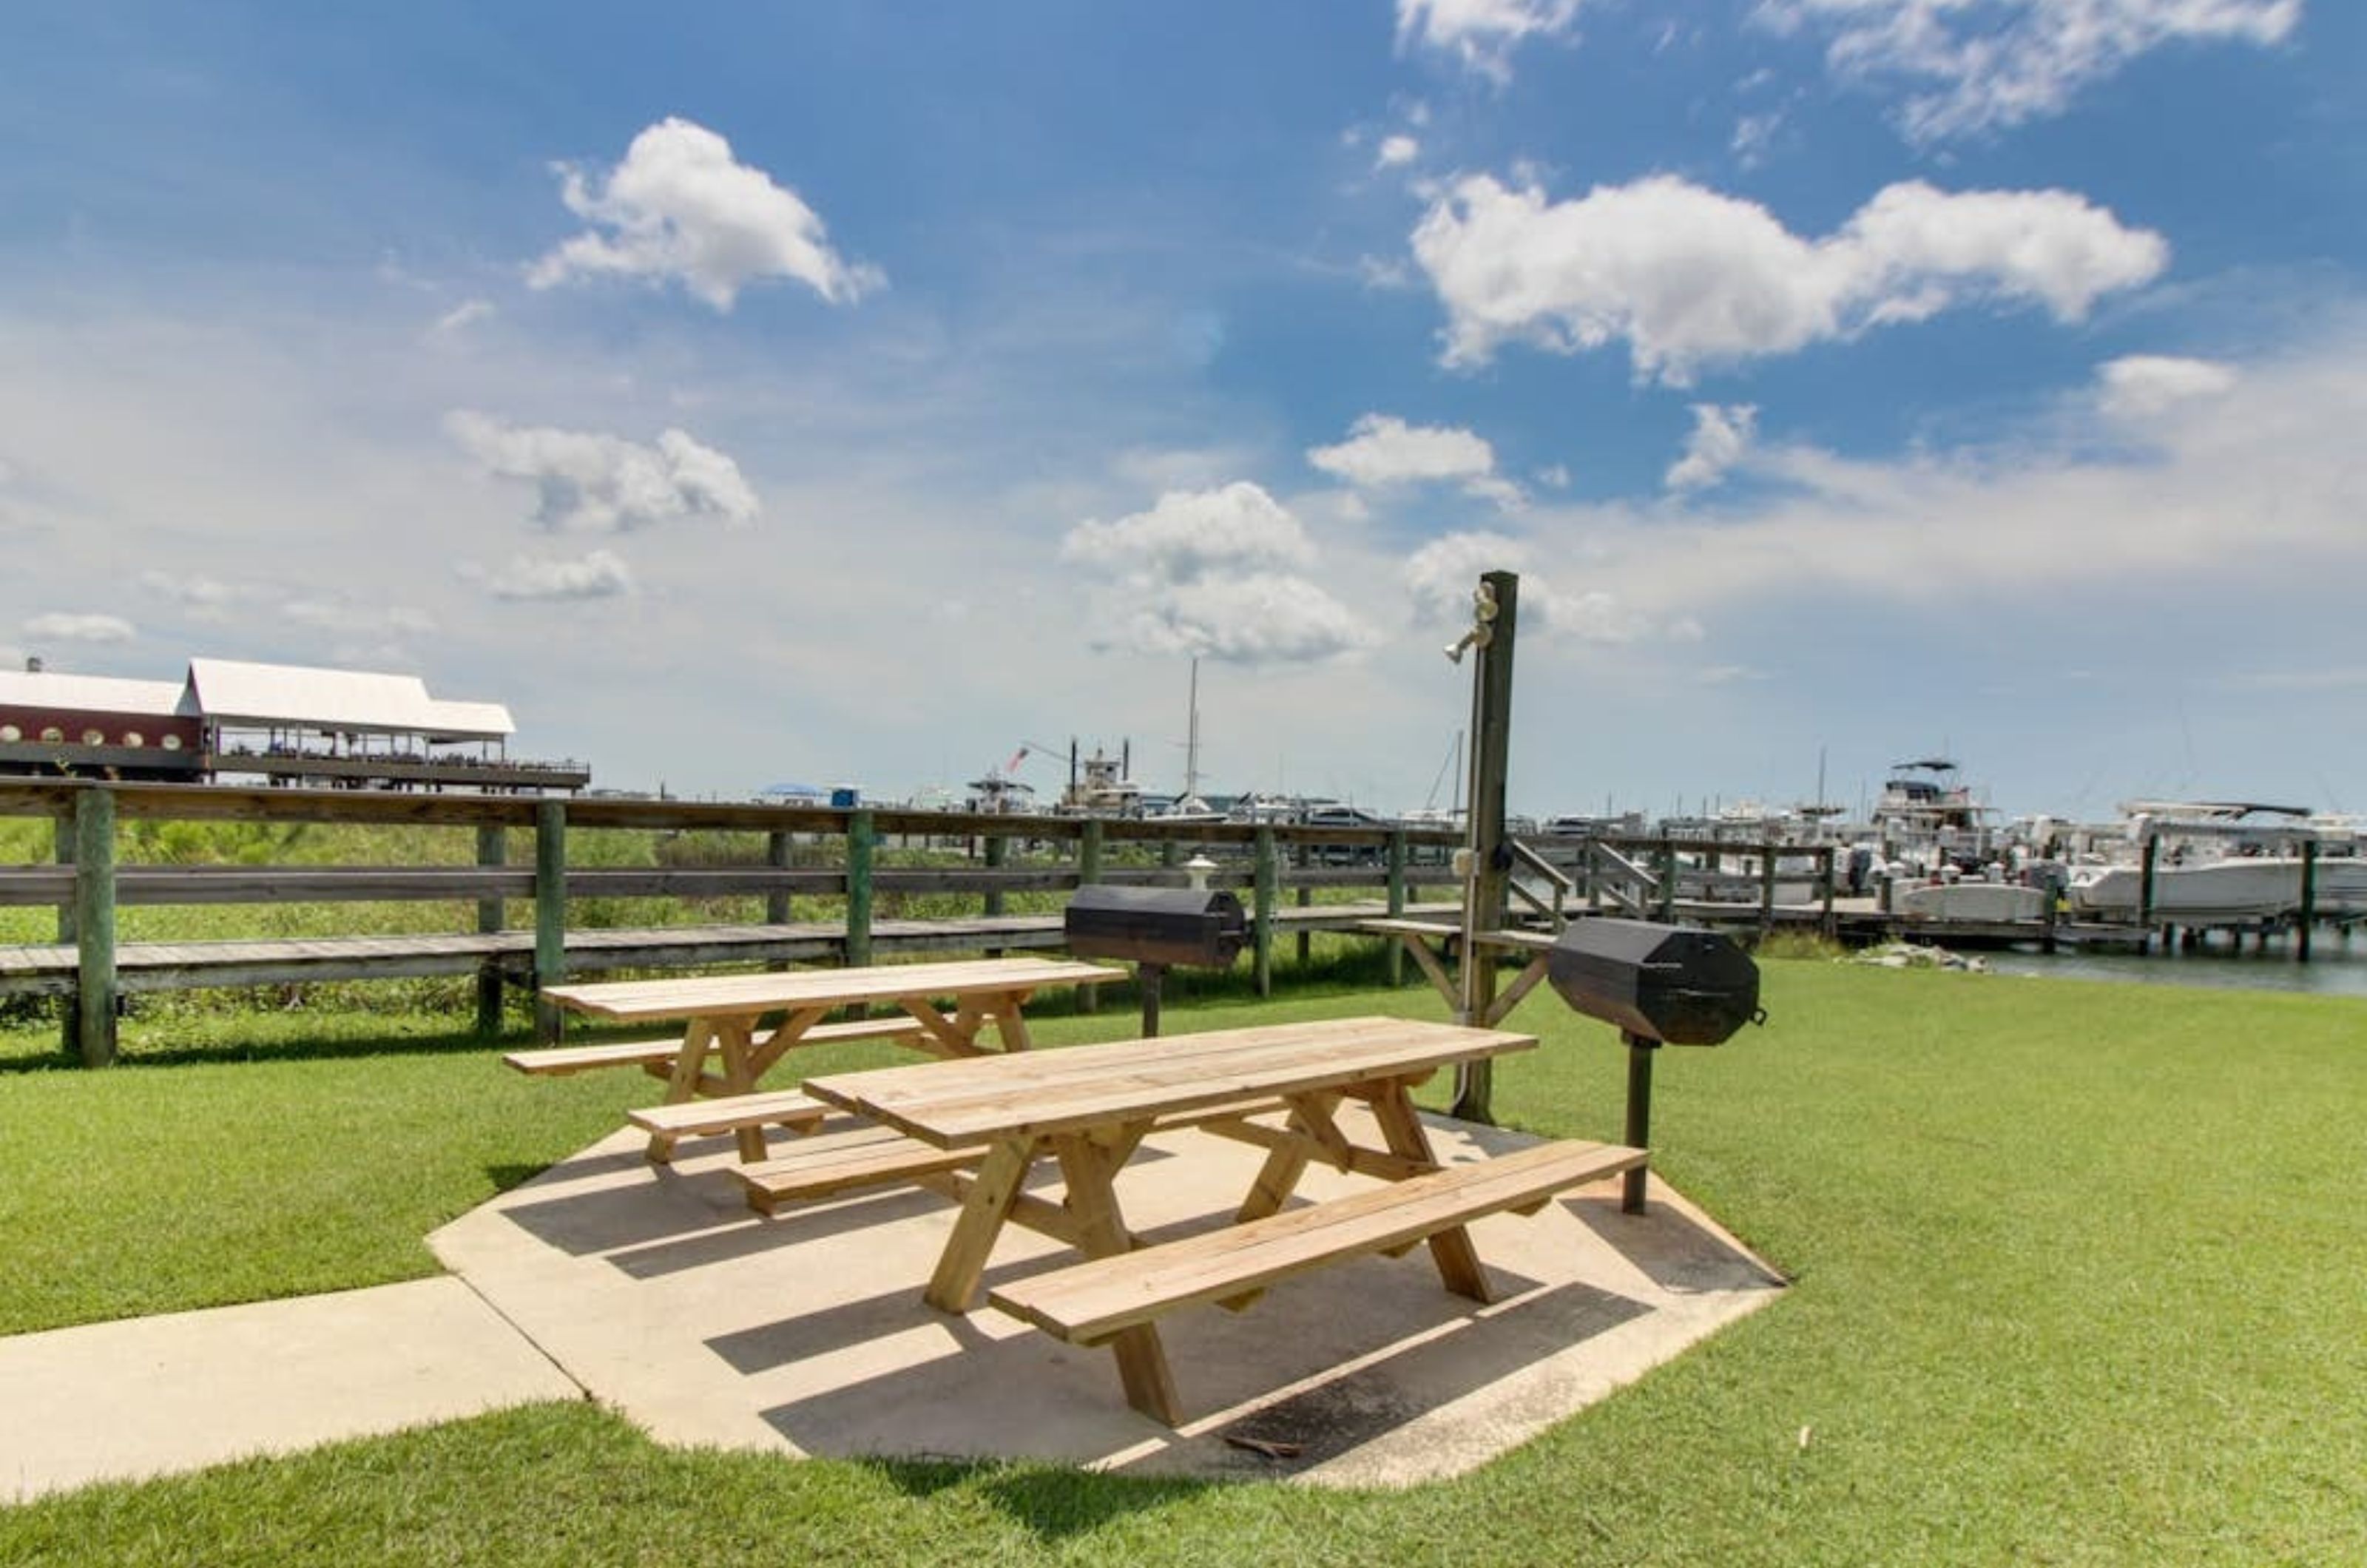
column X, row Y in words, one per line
column 736, row 996
column 979, row 1099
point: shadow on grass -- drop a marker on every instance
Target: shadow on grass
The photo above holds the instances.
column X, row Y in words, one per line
column 1053, row 1502
column 305, row 1047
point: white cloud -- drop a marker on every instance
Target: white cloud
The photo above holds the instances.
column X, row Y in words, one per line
column 194, row 589
column 596, row 483
column 1689, row 276
column 354, row 618
column 68, row 627
column 1259, row 619
column 1383, row 450
column 682, row 207
column 1554, row 476
column 1442, row 575
column 1997, row 64
column 1189, row 535
column 2264, row 492
column 463, row 316
column 1210, row 572
column 1722, row 434
column 1753, row 135
column 2141, row 386
column 600, row 575
column 1395, row 151
column 1482, row 34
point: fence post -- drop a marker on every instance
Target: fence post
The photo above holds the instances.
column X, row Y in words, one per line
column 1397, row 902
column 2308, row 916
column 95, row 993
column 1299, row 856
column 998, row 851
column 1826, row 924
column 860, row 841
column 1089, row 871
column 777, row 858
column 62, row 835
column 1766, row 889
column 549, row 911
column 1668, row 882
column 493, row 853
column 1262, row 916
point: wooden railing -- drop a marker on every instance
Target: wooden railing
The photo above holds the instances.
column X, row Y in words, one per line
column 90, row 881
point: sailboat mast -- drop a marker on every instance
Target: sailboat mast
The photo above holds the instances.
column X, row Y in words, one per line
column 1192, row 736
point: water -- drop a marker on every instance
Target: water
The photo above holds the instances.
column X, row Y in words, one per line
column 2336, row 968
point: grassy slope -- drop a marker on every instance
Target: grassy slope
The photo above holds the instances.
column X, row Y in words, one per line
column 2077, row 1282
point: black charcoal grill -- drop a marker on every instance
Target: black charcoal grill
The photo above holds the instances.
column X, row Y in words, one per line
column 1661, row 986
column 1153, row 929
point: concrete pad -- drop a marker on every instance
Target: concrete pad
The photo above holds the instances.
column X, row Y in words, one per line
column 662, row 1294
column 148, row 1395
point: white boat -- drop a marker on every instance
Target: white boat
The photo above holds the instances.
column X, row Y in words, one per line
column 2213, row 892
column 1969, row 900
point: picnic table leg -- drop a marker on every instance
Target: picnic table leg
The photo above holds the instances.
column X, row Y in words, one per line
column 1089, row 1168
column 732, row 1039
column 1459, row 1267
column 1009, row 1023
column 683, row 1083
column 984, row 1209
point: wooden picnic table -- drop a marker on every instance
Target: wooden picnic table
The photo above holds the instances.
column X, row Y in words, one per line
column 1089, row 1106
column 721, row 1014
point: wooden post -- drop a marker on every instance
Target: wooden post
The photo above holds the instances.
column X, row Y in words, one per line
column 2308, row 899
column 1299, row 857
column 860, row 841
column 549, row 911
column 998, row 851
column 1262, row 910
column 1826, row 923
column 492, row 853
column 95, row 993
column 1089, row 871
column 1668, row 882
column 1397, row 902
column 61, row 836
column 1492, row 858
column 2145, row 890
column 1766, row 889
column 777, row 858
column 776, row 899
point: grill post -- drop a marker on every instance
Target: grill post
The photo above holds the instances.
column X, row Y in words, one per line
column 1638, row 1135
column 1150, row 977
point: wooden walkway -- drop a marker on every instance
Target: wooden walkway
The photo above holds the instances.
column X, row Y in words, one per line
column 50, row 969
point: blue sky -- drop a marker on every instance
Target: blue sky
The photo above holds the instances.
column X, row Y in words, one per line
column 854, row 392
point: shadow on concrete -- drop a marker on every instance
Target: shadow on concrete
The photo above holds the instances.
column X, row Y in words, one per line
column 1490, row 1344
column 1676, row 1249
column 729, row 1244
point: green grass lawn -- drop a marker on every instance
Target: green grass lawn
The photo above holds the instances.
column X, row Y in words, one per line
column 2079, row 1279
